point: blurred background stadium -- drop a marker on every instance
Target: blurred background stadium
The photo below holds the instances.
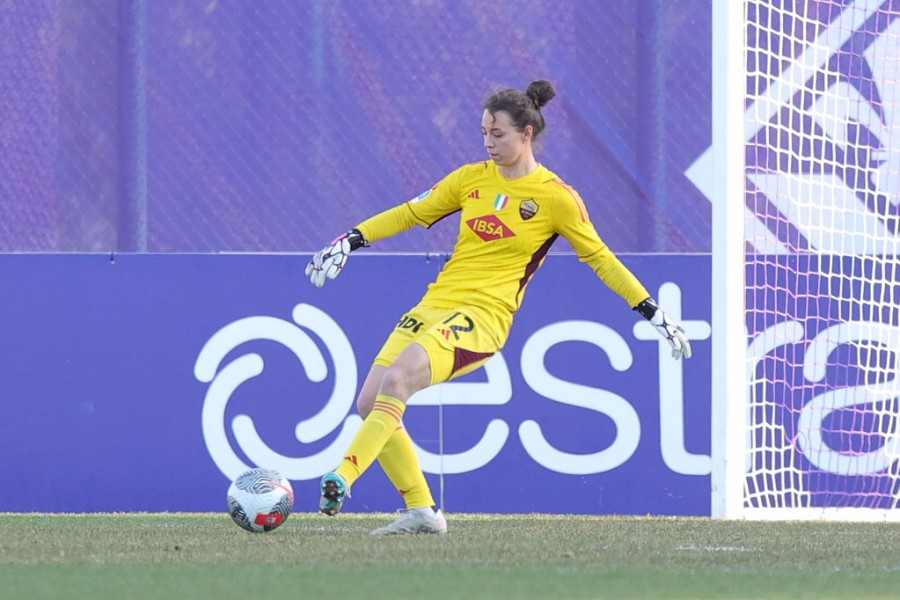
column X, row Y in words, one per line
column 238, row 126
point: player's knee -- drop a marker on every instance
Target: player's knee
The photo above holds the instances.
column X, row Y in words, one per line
column 399, row 383
column 393, row 382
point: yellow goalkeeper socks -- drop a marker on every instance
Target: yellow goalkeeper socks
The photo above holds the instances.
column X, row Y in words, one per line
column 371, row 437
column 401, row 464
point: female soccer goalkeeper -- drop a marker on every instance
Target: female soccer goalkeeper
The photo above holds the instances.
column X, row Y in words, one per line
column 511, row 209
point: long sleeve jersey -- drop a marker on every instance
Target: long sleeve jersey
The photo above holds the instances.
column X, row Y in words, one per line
column 506, row 228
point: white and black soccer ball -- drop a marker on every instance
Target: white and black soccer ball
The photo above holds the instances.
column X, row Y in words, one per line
column 260, row 500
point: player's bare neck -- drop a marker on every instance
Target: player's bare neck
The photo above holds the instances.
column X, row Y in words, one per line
column 521, row 168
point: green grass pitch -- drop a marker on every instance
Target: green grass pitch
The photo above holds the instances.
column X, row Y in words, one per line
column 483, row 556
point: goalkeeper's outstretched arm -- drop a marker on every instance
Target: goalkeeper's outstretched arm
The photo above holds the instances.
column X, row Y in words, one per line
column 622, row 281
column 328, row 262
column 667, row 327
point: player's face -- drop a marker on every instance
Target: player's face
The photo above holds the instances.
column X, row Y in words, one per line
column 504, row 144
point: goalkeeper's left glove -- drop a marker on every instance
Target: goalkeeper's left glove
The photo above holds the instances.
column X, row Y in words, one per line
column 667, row 327
column 330, row 260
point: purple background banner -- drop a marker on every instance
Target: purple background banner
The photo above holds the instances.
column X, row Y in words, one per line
column 141, row 382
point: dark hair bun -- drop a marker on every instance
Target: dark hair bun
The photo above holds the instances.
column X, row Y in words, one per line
column 541, row 92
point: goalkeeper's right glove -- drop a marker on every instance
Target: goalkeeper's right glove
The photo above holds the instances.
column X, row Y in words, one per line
column 667, row 327
column 330, row 260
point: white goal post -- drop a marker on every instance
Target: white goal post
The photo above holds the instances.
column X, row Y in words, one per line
column 806, row 259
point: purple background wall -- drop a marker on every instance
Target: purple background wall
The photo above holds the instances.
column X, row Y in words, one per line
column 270, row 126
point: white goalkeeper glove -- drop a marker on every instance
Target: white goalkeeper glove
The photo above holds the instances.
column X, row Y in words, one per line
column 667, row 327
column 330, row 260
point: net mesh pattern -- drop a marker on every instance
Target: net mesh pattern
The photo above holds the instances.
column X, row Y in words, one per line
column 822, row 180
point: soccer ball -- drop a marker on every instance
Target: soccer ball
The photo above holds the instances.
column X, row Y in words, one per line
column 260, row 500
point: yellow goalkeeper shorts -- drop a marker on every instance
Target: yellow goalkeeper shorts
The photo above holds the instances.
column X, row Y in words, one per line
column 457, row 340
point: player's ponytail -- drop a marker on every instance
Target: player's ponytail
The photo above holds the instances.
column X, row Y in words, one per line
column 541, row 92
column 524, row 108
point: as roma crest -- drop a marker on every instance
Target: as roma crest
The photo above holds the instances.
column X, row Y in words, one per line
column 527, row 209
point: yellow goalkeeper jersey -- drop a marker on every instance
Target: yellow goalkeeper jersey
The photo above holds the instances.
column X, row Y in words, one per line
column 506, row 228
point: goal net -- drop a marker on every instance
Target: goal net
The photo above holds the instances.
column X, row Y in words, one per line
column 818, row 402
